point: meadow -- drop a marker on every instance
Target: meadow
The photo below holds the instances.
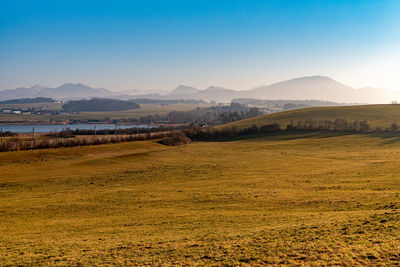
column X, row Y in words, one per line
column 289, row 198
column 376, row 115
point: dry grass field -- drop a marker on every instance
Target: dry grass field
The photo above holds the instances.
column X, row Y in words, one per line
column 291, row 199
column 376, row 115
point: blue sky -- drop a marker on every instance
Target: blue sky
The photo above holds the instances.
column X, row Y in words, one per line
column 229, row 43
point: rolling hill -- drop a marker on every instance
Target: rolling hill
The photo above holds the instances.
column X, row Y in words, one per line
column 304, row 88
column 64, row 91
column 323, row 88
column 376, row 115
column 314, row 87
column 184, row 90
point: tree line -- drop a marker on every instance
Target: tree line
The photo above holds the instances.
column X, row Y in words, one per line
column 337, row 125
column 27, row 100
column 343, row 125
column 211, row 116
column 99, row 104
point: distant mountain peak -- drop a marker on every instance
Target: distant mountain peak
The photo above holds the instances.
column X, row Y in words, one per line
column 321, row 88
column 184, row 90
column 317, row 78
column 73, row 85
column 38, row 88
column 216, row 88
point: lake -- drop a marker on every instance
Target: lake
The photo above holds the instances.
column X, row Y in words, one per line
column 45, row 128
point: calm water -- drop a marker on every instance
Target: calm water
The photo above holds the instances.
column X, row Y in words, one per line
column 45, row 128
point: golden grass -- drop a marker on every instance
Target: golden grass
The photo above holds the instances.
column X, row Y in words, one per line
column 376, row 115
column 305, row 198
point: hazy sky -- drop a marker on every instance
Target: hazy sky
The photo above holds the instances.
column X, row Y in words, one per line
column 234, row 44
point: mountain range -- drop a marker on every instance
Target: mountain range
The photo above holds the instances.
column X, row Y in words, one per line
column 312, row 87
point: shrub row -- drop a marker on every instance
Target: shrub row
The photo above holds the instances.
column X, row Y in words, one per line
column 129, row 131
column 84, row 141
column 197, row 133
column 175, row 138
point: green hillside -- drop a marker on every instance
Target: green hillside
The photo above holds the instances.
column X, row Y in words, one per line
column 376, row 115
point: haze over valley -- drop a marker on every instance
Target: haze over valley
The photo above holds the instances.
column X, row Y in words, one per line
column 304, row 88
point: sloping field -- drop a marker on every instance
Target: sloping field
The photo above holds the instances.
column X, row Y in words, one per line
column 376, row 115
column 286, row 199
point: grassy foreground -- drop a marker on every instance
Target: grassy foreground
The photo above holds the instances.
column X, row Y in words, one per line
column 305, row 198
column 376, row 115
